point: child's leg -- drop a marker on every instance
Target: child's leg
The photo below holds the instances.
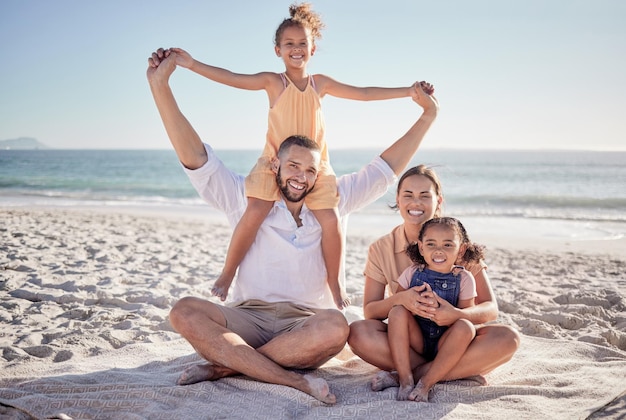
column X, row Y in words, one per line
column 452, row 345
column 243, row 236
column 404, row 334
column 332, row 246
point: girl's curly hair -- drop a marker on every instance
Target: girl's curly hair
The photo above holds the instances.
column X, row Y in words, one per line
column 301, row 16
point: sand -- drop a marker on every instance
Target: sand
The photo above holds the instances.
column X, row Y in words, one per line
column 85, row 296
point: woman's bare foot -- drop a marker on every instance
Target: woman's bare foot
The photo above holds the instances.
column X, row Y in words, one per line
column 419, row 393
column 319, row 389
column 384, row 380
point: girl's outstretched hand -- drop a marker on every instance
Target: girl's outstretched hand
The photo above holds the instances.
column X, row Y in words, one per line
column 183, row 58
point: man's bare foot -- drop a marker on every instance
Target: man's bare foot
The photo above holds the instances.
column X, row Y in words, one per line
column 320, row 390
column 203, row 372
column 419, row 393
column 384, row 380
column 195, row 374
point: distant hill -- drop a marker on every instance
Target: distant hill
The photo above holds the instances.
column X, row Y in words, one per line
column 22, row 143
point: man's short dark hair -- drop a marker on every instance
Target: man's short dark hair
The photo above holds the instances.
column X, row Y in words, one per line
column 298, row 140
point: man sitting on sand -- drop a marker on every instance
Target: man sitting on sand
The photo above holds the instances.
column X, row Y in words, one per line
column 282, row 318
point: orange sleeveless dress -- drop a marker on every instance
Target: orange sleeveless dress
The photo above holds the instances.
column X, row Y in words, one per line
column 294, row 113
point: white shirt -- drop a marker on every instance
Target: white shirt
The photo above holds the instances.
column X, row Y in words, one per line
column 285, row 262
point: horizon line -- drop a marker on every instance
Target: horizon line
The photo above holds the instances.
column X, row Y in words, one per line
column 470, row 149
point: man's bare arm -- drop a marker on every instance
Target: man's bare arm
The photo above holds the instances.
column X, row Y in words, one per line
column 183, row 137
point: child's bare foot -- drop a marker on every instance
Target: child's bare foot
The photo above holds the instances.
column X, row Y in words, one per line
column 319, row 389
column 384, row 380
column 403, row 392
column 419, row 393
column 221, row 286
column 406, row 386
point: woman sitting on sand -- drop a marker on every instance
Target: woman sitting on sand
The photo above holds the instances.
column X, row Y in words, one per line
column 419, row 198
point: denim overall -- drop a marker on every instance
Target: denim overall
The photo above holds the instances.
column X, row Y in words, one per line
column 447, row 286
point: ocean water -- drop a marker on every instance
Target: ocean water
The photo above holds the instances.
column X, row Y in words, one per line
column 548, row 186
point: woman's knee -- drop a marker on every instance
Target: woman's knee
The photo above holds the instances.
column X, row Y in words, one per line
column 502, row 337
column 362, row 332
column 509, row 339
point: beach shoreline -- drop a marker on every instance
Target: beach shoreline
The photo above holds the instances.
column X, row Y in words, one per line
column 515, row 233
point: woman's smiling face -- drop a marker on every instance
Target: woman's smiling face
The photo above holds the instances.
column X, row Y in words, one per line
column 417, row 199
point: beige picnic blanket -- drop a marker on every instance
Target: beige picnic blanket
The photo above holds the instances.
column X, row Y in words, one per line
column 547, row 378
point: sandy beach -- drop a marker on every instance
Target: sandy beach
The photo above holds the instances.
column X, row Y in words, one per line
column 85, row 296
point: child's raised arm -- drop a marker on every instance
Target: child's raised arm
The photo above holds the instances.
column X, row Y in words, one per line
column 258, row 81
column 329, row 86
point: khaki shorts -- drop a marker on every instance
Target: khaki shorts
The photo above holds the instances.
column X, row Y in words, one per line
column 257, row 322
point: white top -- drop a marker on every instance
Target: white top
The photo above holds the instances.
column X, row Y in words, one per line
column 285, row 262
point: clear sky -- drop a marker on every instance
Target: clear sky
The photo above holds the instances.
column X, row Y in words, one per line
column 508, row 74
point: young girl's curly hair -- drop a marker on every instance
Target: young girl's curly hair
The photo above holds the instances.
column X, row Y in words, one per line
column 473, row 252
column 301, row 16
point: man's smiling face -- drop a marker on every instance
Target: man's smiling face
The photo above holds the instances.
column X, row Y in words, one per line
column 297, row 172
